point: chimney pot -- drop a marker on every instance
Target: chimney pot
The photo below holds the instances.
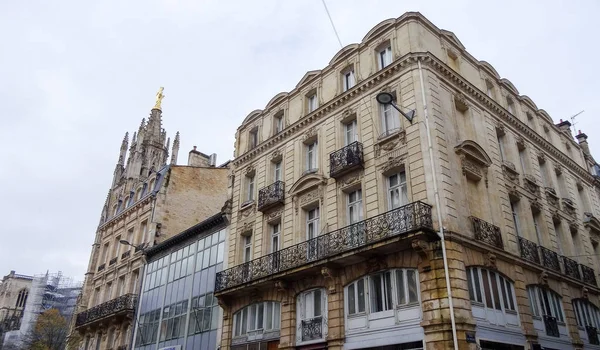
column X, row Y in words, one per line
column 194, row 148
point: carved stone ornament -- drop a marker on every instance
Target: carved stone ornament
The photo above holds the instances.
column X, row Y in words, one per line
column 536, row 205
column 569, row 206
column 474, row 160
column 310, row 133
column 393, row 163
column 558, row 169
column 531, row 185
column 585, row 293
column 276, row 155
column 390, row 143
column 500, row 130
column 281, row 286
column 255, row 296
column 250, row 170
column 246, row 211
column 421, row 248
column 309, row 196
column 376, row 264
column 513, row 193
column 541, row 157
column 329, row 276
column 246, row 229
column 579, row 185
column 543, row 278
column 573, row 226
column 273, row 215
column 510, row 172
column 551, row 197
column 490, row 260
column 461, row 102
column 351, row 179
column 556, row 217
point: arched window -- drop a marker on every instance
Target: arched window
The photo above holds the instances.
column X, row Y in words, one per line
column 257, row 321
column 588, row 320
column 311, row 312
column 547, row 311
column 22, row 298
column 492, row 297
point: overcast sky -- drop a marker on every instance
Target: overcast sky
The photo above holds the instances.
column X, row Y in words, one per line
column 76, row 75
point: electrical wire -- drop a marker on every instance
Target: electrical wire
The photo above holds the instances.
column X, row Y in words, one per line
column 332, row 25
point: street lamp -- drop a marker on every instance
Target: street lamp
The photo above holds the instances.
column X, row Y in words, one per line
column 137, row 247
column 385, row 98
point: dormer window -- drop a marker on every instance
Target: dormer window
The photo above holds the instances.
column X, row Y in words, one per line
column 489, row 88
column 278, row 123
column 312, row 103
column 510, row 105
column 348, row 80
column 253, row 138
column 384, row 56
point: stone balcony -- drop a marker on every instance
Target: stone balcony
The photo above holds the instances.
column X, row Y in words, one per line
column 346, row 159
column 270, row 196
column 380, row 234
column 123, row 306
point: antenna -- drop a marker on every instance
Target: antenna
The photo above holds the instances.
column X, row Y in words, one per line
column 573, row 122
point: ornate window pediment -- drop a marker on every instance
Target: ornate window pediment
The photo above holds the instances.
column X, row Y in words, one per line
column 305, row 183
column 474, row 159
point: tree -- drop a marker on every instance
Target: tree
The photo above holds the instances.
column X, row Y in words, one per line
column 49, row 333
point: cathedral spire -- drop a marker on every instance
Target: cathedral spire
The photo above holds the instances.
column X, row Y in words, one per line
column 123, row 152
column 175, row 149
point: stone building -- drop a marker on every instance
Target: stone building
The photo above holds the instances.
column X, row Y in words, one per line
column 337, row 204
column 149, row 201
column 14, row 290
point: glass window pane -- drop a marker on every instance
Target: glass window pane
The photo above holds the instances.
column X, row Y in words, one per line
column 213, row 255
column 503, row 289
column 388, row 288
column 276, row 315
column 317, row 300
column 269, row 316
column 411, row 277
column 401, row 293
column 215, row 318
column 260, row 316
column 351, row 300
column 477, row 284
column 252, row 318
column 206, row 258
column 244, row 320
column 361, row 294
column 486, row 288
column 207, row 319
column 495, row 293
column 376, row 293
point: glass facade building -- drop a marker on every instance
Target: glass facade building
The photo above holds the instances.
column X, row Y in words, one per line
column 177, row 309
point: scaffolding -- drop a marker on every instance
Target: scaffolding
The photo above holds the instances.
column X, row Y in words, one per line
column 48, row 291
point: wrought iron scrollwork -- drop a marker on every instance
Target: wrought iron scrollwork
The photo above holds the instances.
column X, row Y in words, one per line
column 592, row 333
column 125, row 302
column 126, row 254
column 312, row 329
column 412, row 217
column 529, row 250
column 550, row 259
column 112, row 261
column 551, row 325
column 487, row 233
column 346, row 158
column 588, row 274
column 270, row 195
column 101, row 267
column 571, row 268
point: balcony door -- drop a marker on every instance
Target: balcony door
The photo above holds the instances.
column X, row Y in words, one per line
column 312, row 231
column 350, row 132
column 275, row 245
column 354, row 213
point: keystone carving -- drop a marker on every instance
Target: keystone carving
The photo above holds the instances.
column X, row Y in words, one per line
column 329, row 276
column 491, row 260
column 543, row 278
column 375, row 264
column 421, row 248
column 461, row 102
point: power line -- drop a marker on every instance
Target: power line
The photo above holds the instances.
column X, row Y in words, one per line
column 332, row 25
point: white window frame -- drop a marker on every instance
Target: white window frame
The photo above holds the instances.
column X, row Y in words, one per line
column 308, row 310
column 354, row 207
column 312, row 152
column 350, row 132
column 515, row 215
column 271, row 316
column 477, row 290
column 312, row 223
column 384, row 57
column 390, row 121
column 500, row 139
column 348, row 80
column 540, row 305
column 250, row 188
column 278, row 123
column 277, row 171
column 312, row 102
column 247, row 252
column 400, row 188
column 275, row 237
column 253, row 138
column 586, row 314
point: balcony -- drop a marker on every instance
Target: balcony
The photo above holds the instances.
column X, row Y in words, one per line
column 271, row 195
column 404, row 220
column 550, row 259
column 346, row 159
column 571, row 268
column 312, row 329
column 123, row 305
column 529, row 250
column 101, row 267
column 487, row 233
column 112, row 261
column 551, row 325
column 126, row 254
column 588, row 275
column 592, row 334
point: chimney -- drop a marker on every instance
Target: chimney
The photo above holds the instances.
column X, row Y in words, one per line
column 212, row 160
column 197, row 158
column 582, row 139
column 564, row 126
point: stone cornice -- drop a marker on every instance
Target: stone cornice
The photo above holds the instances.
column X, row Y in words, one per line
column 122, row 215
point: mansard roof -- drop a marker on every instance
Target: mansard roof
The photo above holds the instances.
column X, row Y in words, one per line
column 343, row 52
column 382, row 26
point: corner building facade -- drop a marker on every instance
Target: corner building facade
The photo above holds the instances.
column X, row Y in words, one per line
column 334, row 236
column 149, row 201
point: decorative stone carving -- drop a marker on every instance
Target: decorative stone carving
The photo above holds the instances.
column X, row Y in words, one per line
column 460, row 102
column 579, row 184
column 390, row 143
column 421, row 248
column 490, row 260
column 276, row 155
column 246, row 228
column 536, row 205
column 500, row 129
column 227, row 207
column 556, row 217
column 569, row 206
column 551, row 197
column 474, row 160
column 558, row 169
column 573, row 226
column 520, row 143
column 393, row 163
column 273, row 215
column 513, row 193
column 351, row 179
column 310, row 133
column 531, row 185
column 281, row 286
column 376, row 264
column 309, row 196
column 250, row 170
column 585, row 293
column 329, row 276
column 510, row 172
column 541, row 157
column 543, row 278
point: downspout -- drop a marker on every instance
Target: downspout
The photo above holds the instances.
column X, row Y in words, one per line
column 439, row 209
column 136, row 313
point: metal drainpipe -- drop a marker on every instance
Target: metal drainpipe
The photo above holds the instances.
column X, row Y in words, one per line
column 439, row 209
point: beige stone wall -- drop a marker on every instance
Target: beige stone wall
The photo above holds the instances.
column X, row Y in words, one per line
column 10, row 286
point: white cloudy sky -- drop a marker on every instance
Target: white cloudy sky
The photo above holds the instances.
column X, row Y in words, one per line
column 75, row 75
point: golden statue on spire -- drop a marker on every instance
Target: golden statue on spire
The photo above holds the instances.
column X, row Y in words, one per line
column 159, row 97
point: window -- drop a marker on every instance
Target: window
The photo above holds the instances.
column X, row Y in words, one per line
column 275, row 235
column 515, row 215
column 587, row 314
column 312, row 223
column 500, row 138
column 247, row 248
column 490, row 290
column 143, row 231
column 510, row 105
column 134, row 281
column 312, row 304
column 22, row 298
column 562, row 190
column 348, row 79
column 121, row 286
column 544, row 175
column 156, row 272
column 544, row 302
column 117, row 246
column 397, row 192
column 110, row 338
column 523, row 160
column 211, row 250
column 97, row 293
column 277, row 172
column 311, row 157
column 489, row 88
column 384, row 57
column 559, row 237
column 253, row 138
column 104, row 252
column 390, row 121
column 536, row 226
column 250, row 188
column 385, row 291
column 148, row 328
column 350, row 133
column 130, row 237
column 312, row 102
column 355, row 208
column 278, row 121
column 181, row 263
column 204, row 314
column 108, row 295
column 173, row 321
column 257, row 318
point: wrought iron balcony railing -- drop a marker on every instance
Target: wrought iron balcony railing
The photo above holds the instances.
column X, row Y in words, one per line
column 126, row 254
column 112, row 261
column 551, row 325
column 271, row 195
column 124, row 303
column 529, row 250
column 101, row 267
column 409, row 218
column 588, row 275
column 346, row 159
column 592, row 334
column 550, row 259
column 312, row 329
column 487, row 233
column 571, row 268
